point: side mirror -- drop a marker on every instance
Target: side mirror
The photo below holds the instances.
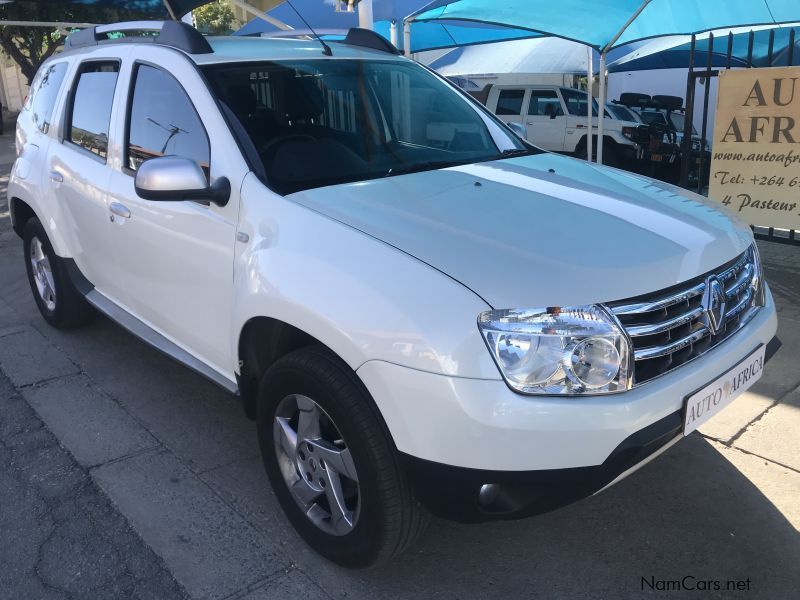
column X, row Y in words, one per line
column 518, row 129
column 553, row 114
column 174, row 178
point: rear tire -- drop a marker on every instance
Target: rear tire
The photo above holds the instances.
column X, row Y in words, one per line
column 59, row 302
column 315, row 399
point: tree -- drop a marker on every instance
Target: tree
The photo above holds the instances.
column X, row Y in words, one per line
column 30, row 46
column 215, row 18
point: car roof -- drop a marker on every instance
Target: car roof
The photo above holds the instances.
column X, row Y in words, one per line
column 237, row 49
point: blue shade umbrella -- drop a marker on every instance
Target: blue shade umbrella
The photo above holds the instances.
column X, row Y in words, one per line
column 604, row 24
column 425, row 35
column 673, row 52
column 608, row 23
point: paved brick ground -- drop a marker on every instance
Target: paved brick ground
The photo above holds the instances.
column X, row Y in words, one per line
column 61, row 536
column 175, row 458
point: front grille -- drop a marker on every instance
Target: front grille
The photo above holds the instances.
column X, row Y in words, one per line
column 672, row 327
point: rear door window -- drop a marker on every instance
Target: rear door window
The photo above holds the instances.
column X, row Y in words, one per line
column 510, row 102
column 92, row 100
column 44, row 92
column 544, row 103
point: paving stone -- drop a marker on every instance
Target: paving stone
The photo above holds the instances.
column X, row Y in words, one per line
column 292, row 584
column 26, row 357
column 60, row 537
column 9, row 319
column 203, row 424
column 779, row 484
column 775, row 435
column 89, row 423
column 212, row 551
column 736, row 416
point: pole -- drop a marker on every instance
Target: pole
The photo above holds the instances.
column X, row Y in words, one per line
column 686, row 150
column 590, row 123
column 250, row 9
column 393, row 33
column 601, row 108
column 365, row 14
column 602, row 101
column 407, row 37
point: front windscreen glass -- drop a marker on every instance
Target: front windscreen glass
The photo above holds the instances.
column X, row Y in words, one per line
column 622, row 113
column 679, row 121
column 321, row 122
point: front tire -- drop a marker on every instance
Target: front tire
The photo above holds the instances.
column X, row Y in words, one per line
column 610, row 155
column 331, row 462
column 59, row 302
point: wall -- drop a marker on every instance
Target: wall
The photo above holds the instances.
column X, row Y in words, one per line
column 13, row 85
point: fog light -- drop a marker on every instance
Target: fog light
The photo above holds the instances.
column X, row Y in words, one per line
column 488, row 493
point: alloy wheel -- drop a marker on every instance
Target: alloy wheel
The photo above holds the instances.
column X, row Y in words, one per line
column 42, row 274
column 316, row 465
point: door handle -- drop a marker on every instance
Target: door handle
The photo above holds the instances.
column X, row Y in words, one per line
column 56, row 177
column 120, row 210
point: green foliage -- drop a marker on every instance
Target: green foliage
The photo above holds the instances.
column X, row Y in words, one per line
column 30, row 46
column 215, row 18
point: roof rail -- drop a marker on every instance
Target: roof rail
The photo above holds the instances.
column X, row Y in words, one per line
column 366, row 38
column 174, row 34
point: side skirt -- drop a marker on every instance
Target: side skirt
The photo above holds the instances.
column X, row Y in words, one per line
column 143, row 331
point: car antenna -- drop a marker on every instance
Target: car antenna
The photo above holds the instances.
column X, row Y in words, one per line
column 326, row 50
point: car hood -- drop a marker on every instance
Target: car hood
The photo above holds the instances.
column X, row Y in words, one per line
column 541, row 230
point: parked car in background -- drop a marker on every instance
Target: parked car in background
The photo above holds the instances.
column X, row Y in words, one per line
column 623, row 113
column 555, row 119
column 666, row 117
column 420, row 311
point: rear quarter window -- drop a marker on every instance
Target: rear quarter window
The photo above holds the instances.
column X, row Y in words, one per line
column 44, row 93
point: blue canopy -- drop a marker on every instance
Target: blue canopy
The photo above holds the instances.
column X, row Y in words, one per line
column 599, row 22
column 424, row 35
column 674, row 52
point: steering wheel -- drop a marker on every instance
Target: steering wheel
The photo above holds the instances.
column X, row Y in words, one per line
column 273, row 144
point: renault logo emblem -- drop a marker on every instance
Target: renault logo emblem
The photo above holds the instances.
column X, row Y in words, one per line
column 714, row 304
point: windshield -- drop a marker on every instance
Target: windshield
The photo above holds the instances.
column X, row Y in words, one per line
column 576, row 102
column 679, row 121
column 650, row 117
column 622, row 113
column 322, row 122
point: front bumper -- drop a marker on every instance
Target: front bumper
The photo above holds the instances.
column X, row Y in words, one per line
column 475, row 431
column 474, row 495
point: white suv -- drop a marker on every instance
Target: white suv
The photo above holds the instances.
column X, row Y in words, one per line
column 421, row 312
column 554, row 118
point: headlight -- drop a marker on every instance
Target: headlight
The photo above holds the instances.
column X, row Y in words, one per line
column 629, row 132
column 561, row 351
column 757, row 283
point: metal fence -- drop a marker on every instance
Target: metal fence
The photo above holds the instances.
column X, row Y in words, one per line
column 696, row 73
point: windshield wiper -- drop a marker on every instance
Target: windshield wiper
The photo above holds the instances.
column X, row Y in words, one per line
column 517, row 152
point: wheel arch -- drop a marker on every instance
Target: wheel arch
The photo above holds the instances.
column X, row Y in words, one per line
column 262, row 341
column 21, row 213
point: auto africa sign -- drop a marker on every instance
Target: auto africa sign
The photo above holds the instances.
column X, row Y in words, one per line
column 755, row 165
